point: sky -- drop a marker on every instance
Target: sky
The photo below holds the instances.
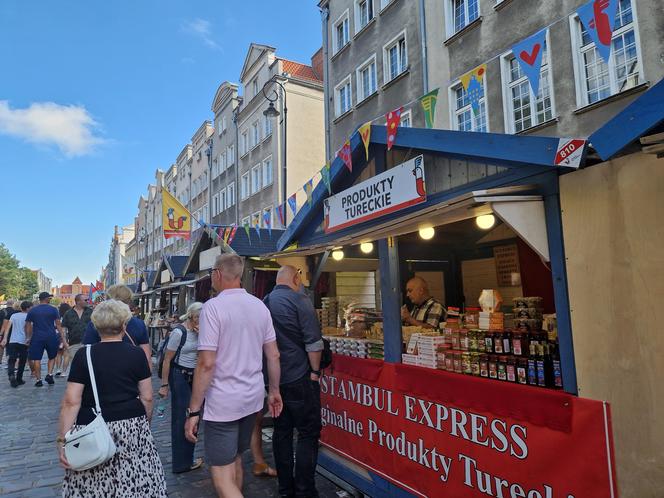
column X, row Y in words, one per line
column 95, row 96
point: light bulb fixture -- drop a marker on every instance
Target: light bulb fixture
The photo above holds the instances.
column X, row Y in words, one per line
column 366, row 247
column 337, row 255
column 485, row 221
column 427, row 233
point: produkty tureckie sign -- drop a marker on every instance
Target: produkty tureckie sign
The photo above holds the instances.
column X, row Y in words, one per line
column 395, row 189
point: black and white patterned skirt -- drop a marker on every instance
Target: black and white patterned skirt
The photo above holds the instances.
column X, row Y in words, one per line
column 135, row 470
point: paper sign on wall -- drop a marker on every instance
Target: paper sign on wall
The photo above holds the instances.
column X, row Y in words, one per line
column 570, row 152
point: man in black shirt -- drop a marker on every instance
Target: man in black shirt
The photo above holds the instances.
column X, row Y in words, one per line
column 300, row 346
column 75, row 320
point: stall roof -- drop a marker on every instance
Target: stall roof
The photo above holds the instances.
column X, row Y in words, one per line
column 645, row 115
column 175, row 265
column 529, row 153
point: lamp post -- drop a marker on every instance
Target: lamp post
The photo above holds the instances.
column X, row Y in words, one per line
column 272, row 113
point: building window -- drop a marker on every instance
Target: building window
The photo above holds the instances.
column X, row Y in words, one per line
column 597, row 80
column 230, row 155
column 222, row 200
column 268, row 211
column 267, row 126
column 395, row 57
column 254, row 87
column 244, row 144
column 255, row 134
column 366, row 79
column 215, row 167
column 267, row 172
column 460, row 13
column 343, row 97
column 255, row 179
column 215, row 204
column 462, row 115
column 406, row 120
column 363, row 13
column 341, row 33
column 223, row 124
column 230, row 194
column 244, row 186
column 385, row 3
column 524, row 110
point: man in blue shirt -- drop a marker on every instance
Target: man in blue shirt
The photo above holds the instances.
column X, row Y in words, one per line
column 300, row 346
column 40, row 328
column 137, row 332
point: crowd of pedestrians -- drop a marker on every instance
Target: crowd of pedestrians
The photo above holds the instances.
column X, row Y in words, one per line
column 226, row 364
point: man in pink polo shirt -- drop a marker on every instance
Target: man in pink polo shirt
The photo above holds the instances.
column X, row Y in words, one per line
column 235, row 330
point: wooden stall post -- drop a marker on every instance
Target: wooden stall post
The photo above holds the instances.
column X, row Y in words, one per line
column 388, row 254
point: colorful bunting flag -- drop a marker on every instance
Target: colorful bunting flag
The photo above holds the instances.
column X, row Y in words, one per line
column 247, row 229
column 99, row 285
column 257, row 225
column 325, row 174
column 428, row 102
column 292, row 202
column 267, row 220
column 472, row 83
column 308, row 189
column 346, row 155
column 227, row 234
column 280, row 213
column 528, row 54
column 231, row 235
column 393, row 121
column 365, row 135
column 598, row 17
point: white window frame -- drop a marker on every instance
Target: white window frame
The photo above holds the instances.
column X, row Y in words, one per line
column 403, row 64
column 361, row 91
column 222, row 200
column 385, row 3
column 244, row 142
column 223, row 124
column 230, row 194
column 215, row 204
column 267, row 127
column 255, row 137
column 343, row 18
column 337, row 102
column 254, row 87
column 245, row 186
column 371, row 13
column 579, row 71
column 256, row 179
column 230, row 155
column 220, row 128
column 449, row 16
column 508, row 109
column 451, row 92
column 407, row 115
column 263, row 170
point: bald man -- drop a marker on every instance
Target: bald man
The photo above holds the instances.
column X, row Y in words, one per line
column 427, row 312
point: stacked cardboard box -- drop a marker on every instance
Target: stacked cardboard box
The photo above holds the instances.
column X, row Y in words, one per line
column 492, row 320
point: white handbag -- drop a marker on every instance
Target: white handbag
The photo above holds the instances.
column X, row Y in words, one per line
column 91, row 445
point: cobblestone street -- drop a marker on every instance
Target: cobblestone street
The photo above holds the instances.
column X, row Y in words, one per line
column 29, row 465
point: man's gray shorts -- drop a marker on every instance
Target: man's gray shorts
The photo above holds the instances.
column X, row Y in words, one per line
column 225, row 441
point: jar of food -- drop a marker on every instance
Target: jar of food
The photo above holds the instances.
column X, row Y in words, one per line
column 472, row 340
column 488, row 341
column 463, row 339
column 493, row 366
column 481, row 345
column 457, row 363
column 454, row 337
column 498, row 342
column 522, row 371
column 475, row 364
column 465, row 363
column 511, row 369
column 502, row 367
column 484, row 365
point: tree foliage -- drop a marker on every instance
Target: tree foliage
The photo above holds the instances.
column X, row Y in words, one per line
column 16, row 281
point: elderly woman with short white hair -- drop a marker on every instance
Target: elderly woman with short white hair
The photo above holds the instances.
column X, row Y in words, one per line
column 125, row 397
column 177, row 376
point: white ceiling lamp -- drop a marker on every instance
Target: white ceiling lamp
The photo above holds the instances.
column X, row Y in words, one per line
column 367, row 247
column 427, row 233
column 337, row 255
column 485, row 221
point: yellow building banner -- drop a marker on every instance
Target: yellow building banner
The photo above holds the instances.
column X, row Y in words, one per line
column 176, row 218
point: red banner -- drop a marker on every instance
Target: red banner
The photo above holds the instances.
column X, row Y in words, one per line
column 438, row 434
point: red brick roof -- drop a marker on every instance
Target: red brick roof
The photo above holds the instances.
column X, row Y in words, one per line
column 301, row 71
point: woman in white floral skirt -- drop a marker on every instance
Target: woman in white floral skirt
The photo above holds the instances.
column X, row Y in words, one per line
column 125, row 395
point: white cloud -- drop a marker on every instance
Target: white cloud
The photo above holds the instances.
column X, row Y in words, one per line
column 202, row 29
column 71, row 128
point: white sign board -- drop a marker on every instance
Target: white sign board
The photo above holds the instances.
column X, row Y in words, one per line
column 390, row 191
column 206, row 258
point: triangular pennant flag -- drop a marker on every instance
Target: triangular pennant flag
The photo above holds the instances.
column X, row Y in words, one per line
column 428, row 102
column 257, row 225
column 247, row 229
column 231, row 236
column 365, row 135
column 528, row 54
column 346, row 155
column 280, row 214
column 325, row 173
column 598, row 17
column 227, row 234
column 268, row 222
column 472, row 84
column 308, row 189
column 393, row 121
column 292, row 203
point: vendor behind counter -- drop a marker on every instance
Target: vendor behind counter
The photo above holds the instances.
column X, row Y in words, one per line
column 427, row 311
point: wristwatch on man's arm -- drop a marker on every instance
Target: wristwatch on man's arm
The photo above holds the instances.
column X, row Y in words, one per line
column 190, row 414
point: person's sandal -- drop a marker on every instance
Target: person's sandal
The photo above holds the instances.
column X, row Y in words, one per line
column 198, row 463
column 264, row 470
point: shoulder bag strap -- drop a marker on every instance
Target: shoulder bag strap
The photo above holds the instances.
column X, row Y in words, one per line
column 92, row 378
column 183, row 339
column 130, row 338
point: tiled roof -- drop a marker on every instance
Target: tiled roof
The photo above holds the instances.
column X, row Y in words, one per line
column 301, row 71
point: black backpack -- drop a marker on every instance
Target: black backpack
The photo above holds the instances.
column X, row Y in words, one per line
column 162, row 350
